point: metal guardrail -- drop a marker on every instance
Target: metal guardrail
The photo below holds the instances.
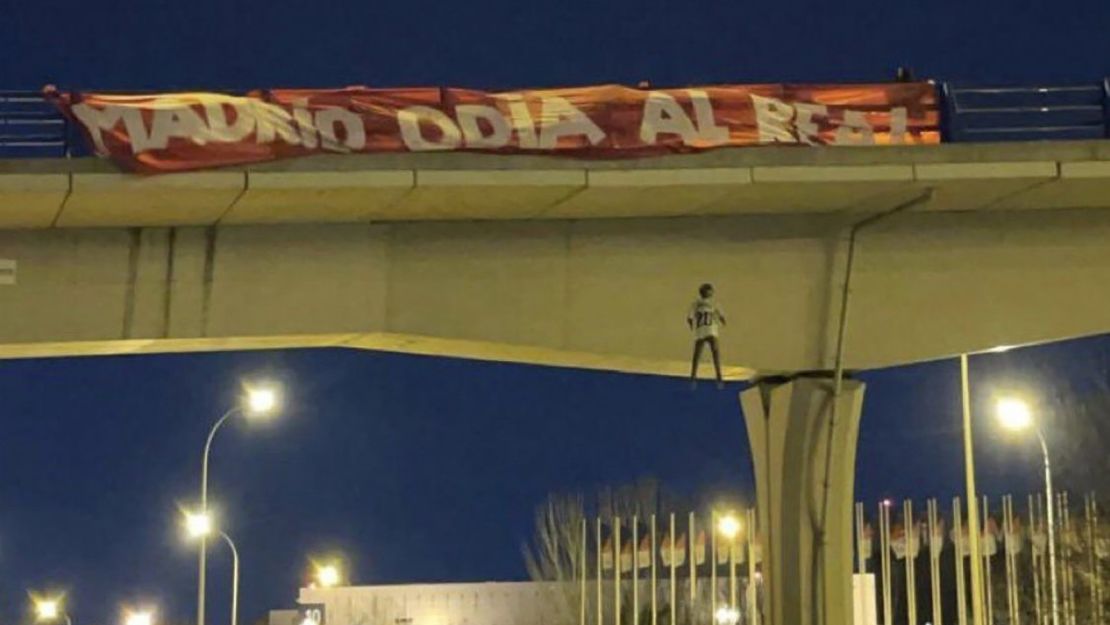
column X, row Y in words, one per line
column 1041, row 113
column 31, row 127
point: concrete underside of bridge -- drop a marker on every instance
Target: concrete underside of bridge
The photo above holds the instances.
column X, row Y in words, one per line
column 587, row 264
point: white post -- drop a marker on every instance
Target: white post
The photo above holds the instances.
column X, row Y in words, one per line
column 988, row 602
column 674, row 579
column 1051, row 501
column 204, row 510
column 635, row 570
column 934, row 562
column 972, row 503
column 884, row 560
column 1036, row 562
column 961, row 586
column 713, row 521
column 582, row 574
column 654, row 577
column 911, row 558
column 600, row 598
column 616, row 570
column 234, row 579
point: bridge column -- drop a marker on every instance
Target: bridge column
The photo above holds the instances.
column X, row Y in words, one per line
column 788, row 426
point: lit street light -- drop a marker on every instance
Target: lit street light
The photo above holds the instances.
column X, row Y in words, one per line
column 258, row 401
column 1015, row 415
column 199, row 525
column 728, row 526
column 50, row 610
column 328, row 576
column 138, row 617
column 727, row 615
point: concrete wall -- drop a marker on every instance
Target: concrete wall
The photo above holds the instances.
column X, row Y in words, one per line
column 491, row 603
column 598, row 293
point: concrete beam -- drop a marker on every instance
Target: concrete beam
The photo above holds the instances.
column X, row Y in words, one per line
column 408, row 187
column 592, row 293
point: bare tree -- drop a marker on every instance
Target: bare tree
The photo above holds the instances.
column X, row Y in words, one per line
column 555, row 554
column 557, row 544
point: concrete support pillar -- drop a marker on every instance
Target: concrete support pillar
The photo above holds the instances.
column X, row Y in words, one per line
column 788, row 420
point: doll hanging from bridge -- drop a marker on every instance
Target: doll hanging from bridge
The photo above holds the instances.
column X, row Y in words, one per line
column 705, row 320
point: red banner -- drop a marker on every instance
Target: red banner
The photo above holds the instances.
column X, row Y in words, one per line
column 184, row 131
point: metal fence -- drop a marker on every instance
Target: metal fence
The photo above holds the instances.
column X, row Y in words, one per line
column 680, row 569
column 31, row 127
column 920, row 560
column 673, row 568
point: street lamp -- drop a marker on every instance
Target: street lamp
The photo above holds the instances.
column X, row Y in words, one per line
column 139, row 617
column 727, row 615
column 199, row 525
column 328, row 575
column 258, row 401
column 728, row 526
column 1015, row 415
column 50, row 610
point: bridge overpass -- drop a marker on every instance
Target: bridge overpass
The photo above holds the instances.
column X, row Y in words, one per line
column 588, row 264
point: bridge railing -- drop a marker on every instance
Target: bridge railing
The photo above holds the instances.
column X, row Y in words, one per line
column 31, row 127
column 1051, row 113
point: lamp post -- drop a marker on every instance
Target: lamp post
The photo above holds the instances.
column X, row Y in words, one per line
column 258, row 401
column 199, row 525
column 1015, row 415
column 729, row 528
column 974, row 529
column 50, row 610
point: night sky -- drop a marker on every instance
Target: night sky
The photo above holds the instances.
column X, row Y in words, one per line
column 416, row 468
column 427, row 469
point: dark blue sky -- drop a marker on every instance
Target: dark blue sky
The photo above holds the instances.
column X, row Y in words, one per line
column 420, row 469
column 427, row 469
column 505, row 43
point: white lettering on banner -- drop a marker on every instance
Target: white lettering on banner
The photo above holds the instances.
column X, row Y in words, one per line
column 409, row 120
column 154, row 123
column 105, row 119
column 773, row 117
column 218, row 128
column 664, row 115
column 780, row 122
column 807, row 128
column 562, row 119
column 302, row 117
column 332, row 128
column 273, row 121
column 98, row 120
column 522, row 122
column 709, row 133
column 468, row 116
column 855, row 130
column 181, row 122
column 354, row 131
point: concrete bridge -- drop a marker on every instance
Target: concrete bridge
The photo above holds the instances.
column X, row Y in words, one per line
column 589, row 264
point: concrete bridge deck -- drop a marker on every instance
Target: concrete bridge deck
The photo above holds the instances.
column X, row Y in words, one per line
column 420, row 187
column 589, row 264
